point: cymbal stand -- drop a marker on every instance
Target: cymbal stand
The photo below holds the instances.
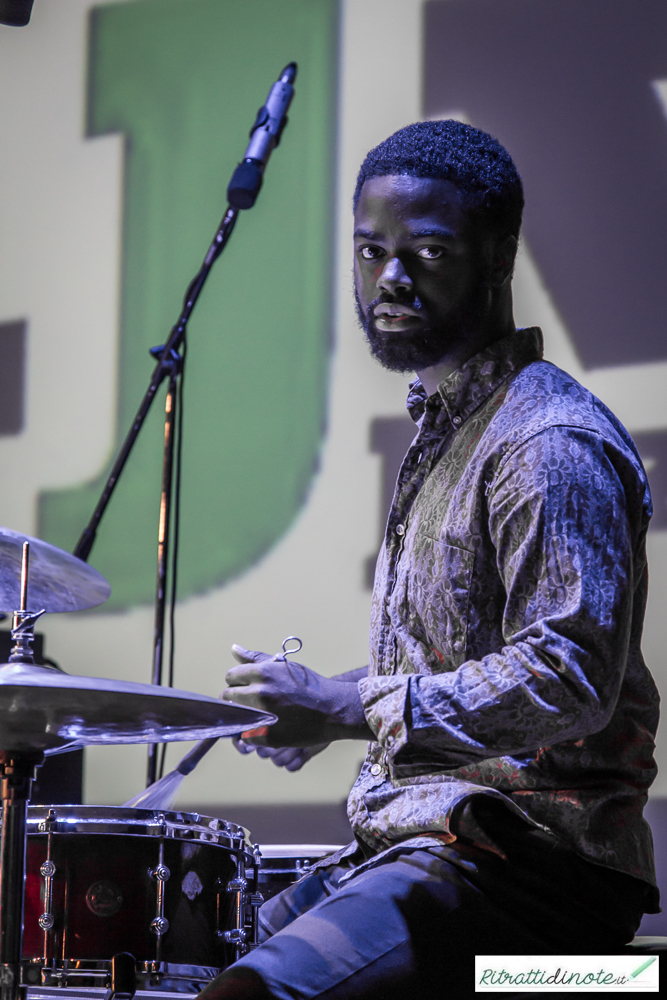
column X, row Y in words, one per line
column 17, row 771
column 23, row 621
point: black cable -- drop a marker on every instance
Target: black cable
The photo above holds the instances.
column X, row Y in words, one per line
column 177, row 516
column 176, row 528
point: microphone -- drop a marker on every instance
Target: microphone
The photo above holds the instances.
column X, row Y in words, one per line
column 264, row 137
column 15, row 12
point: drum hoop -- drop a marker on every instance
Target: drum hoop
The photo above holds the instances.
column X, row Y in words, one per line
column 121, row 821
column 287, row 852
column 91, row 968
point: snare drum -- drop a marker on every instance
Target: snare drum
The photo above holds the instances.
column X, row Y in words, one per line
column 168, row 887
column 282, row 865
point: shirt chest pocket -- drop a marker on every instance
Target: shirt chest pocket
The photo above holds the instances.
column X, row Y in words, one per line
column 438, row 595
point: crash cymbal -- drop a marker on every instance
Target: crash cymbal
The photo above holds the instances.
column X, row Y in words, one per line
column 58, row 581
column 45, row 709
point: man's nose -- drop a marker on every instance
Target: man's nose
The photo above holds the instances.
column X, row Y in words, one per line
column 394, row 278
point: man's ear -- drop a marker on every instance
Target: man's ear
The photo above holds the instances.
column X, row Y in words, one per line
column 504, row 256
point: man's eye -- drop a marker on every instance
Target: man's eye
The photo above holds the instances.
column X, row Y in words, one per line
column 430, row 253
column 370, row 253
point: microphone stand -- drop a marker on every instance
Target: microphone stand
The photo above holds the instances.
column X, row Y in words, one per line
column 241, row 193
column 169, row 367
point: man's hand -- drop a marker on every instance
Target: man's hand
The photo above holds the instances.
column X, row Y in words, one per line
column 291, row 758
column 311, row 709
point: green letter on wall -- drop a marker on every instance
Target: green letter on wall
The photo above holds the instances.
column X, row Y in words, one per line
column 182, row 81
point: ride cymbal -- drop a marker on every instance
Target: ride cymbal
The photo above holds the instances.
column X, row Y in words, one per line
column 58, row 581
column 42, row 709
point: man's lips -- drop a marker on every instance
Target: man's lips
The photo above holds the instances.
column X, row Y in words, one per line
column 394, row 309
column 396, row 317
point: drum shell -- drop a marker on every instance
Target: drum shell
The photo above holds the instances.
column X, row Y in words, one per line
column 195, row 902
column 104, row 891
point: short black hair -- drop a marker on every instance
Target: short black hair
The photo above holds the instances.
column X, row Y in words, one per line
column 473, row 160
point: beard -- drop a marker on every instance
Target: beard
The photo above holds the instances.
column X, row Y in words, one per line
column 401, row 351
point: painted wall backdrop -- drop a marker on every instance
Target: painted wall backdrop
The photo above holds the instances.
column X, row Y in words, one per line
column 156, row 79
column 120, row 124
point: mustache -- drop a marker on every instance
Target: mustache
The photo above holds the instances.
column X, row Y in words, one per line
column 412, row 301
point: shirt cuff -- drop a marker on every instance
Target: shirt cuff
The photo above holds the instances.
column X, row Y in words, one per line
column 384, row 703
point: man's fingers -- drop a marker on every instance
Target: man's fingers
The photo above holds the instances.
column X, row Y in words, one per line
column 243, row 655
column 291, row 758
column 283, row 755
column 296, row 763
column 243, row 748
column 243, row 694
column 245, row 673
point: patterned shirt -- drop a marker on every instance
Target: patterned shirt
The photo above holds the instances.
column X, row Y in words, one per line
column 507, row 618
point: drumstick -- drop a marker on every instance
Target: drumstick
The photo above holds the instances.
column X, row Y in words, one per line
column 191, row 759
column 162, row 793
column 249, row 733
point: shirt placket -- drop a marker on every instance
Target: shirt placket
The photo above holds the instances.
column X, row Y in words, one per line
column 417, row 465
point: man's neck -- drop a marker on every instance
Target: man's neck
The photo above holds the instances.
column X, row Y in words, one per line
column 431, row 377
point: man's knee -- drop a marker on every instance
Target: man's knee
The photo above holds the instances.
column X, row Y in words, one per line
column 281, row 910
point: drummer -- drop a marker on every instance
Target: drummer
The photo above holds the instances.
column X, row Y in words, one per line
column 508, row 711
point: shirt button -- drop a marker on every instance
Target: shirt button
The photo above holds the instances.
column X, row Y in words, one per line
column 400, row 529
column 376, row 769
column 389, row 741
column 456, row 420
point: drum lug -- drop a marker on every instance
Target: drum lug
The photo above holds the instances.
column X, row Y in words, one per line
column 161, row 875
column 255, row 899
column 238, row 935
column 47, row 871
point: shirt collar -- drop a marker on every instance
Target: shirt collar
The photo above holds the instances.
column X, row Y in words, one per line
column 464, row 390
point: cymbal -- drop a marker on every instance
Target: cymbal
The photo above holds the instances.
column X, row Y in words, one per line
column 58, row 581
column 42, row 709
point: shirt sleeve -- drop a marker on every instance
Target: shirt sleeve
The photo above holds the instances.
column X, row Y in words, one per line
column 563, row 517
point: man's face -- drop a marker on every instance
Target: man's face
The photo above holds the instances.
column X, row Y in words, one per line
column 419, row 270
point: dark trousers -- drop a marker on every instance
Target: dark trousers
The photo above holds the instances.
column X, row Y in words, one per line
column 411, row 926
